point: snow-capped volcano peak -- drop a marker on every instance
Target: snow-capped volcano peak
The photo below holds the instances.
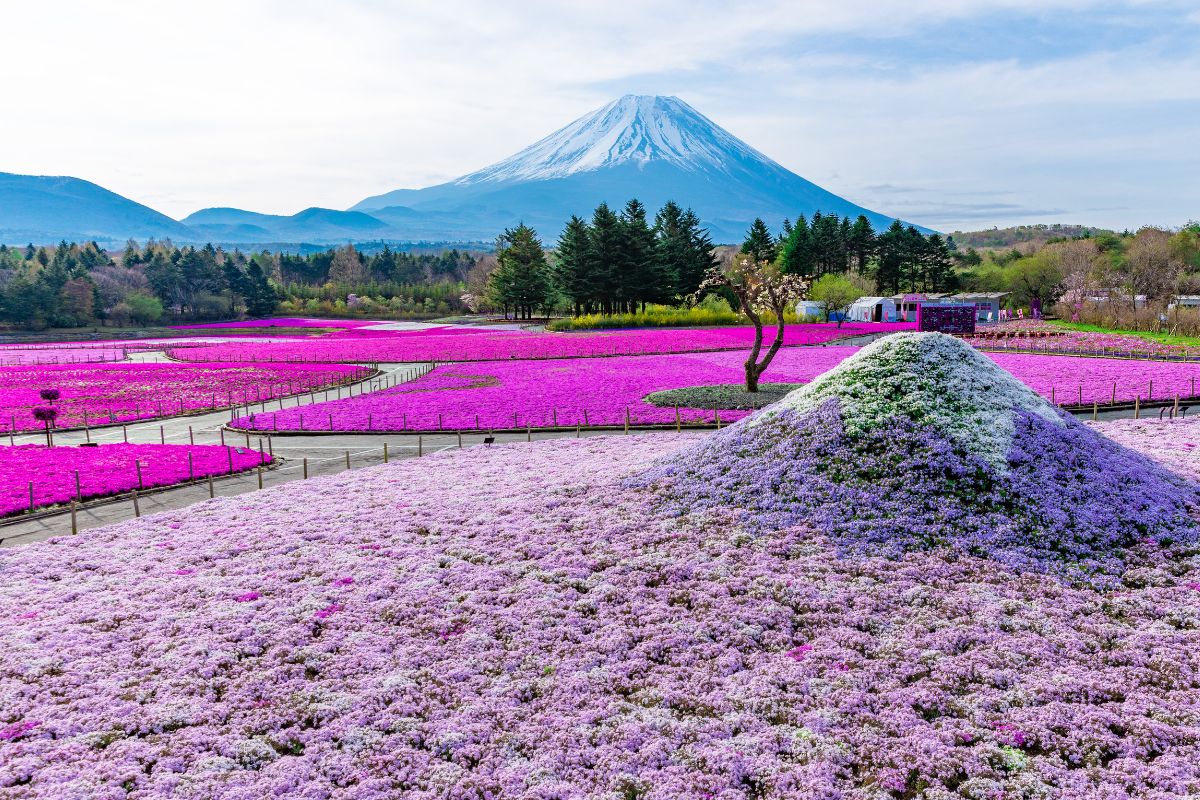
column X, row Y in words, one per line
column 635, row 129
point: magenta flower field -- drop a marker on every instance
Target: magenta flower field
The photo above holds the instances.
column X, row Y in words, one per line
column 108, row 469
column 125, row 392
column 281, row 322
column 517, row 345
column 61, row 354
column 599, row 392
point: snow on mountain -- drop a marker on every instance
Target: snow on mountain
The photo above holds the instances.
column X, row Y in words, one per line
column 635, row 129
column 649, row 147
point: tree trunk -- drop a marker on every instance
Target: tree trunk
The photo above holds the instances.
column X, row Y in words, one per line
column 752, row 374
column 752, row 368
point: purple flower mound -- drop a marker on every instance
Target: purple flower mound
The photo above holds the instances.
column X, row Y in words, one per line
column 1064, row 499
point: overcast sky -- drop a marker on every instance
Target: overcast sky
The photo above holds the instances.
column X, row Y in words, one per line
column 958, row 114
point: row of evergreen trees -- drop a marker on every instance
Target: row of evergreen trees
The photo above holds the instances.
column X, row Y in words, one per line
column 900, row 258
column 615, row 263
column 619, row 261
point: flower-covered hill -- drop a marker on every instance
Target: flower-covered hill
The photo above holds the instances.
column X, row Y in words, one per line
column 918, row 441
column 516, row 622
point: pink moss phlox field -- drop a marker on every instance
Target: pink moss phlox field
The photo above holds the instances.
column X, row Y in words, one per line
column 546, row 393
column 1045, row 336
column 107, row 469
column 1173, row 443
column 10, row 356
column 563, row 392
column 125, row 392
column 520, row 345
column 520, row 626
column 281, row 322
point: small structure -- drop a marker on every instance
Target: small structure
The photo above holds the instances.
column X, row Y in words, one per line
column 1184, row 301
column 810, row 308
column 946, row 317
column 987, row 304
column 873, row 309
column 815, row 308
column 908, row 304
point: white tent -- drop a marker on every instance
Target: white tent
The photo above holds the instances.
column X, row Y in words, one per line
column 810, row 308
column 873, row 309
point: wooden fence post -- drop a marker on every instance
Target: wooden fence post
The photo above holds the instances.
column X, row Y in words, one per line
column 385, row 453
column 78, row 490
column 137, row 511
column 306, row 468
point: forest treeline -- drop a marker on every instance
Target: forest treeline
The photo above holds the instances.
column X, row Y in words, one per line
column 74, row 285
column 615, row 261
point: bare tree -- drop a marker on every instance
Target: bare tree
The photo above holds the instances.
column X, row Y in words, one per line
column 347, row 269
column 761, row 288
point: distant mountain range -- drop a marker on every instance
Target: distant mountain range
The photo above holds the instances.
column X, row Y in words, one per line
column 649, row 147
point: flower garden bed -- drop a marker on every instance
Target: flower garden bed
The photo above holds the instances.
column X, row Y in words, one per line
column 11, row 355
column 608, row 392
column 516, row 622
column 35, row 476
column 385, row 346
column 1044, row 337
column 100, row 394
column 280, row 322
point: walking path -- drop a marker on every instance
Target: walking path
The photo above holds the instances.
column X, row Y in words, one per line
column 326, row 454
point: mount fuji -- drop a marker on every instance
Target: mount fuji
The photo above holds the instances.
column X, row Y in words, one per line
column 650, row 147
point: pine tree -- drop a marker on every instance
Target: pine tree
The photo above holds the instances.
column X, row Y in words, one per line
column 608, row 257
column 796, row 254
column 760, row 244
column 522, row 278
column 685, row 251
column 861, row 244
column 640, row 280
column 891, row 247
column 915, row 246
column 573, row 264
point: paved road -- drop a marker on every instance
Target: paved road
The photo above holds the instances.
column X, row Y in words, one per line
column 326, row 454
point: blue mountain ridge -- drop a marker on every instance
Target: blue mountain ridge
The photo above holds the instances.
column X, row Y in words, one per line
column 650, row 147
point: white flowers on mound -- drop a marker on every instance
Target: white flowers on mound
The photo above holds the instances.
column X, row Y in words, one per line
column 931, row 378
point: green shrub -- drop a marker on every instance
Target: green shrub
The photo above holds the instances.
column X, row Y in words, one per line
column 662, row 317
column 726, row 396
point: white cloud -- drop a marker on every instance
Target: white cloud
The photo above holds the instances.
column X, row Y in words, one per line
column 276, row 105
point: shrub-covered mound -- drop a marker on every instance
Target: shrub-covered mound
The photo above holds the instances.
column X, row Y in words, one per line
column 724, row 396
column 919, row 442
